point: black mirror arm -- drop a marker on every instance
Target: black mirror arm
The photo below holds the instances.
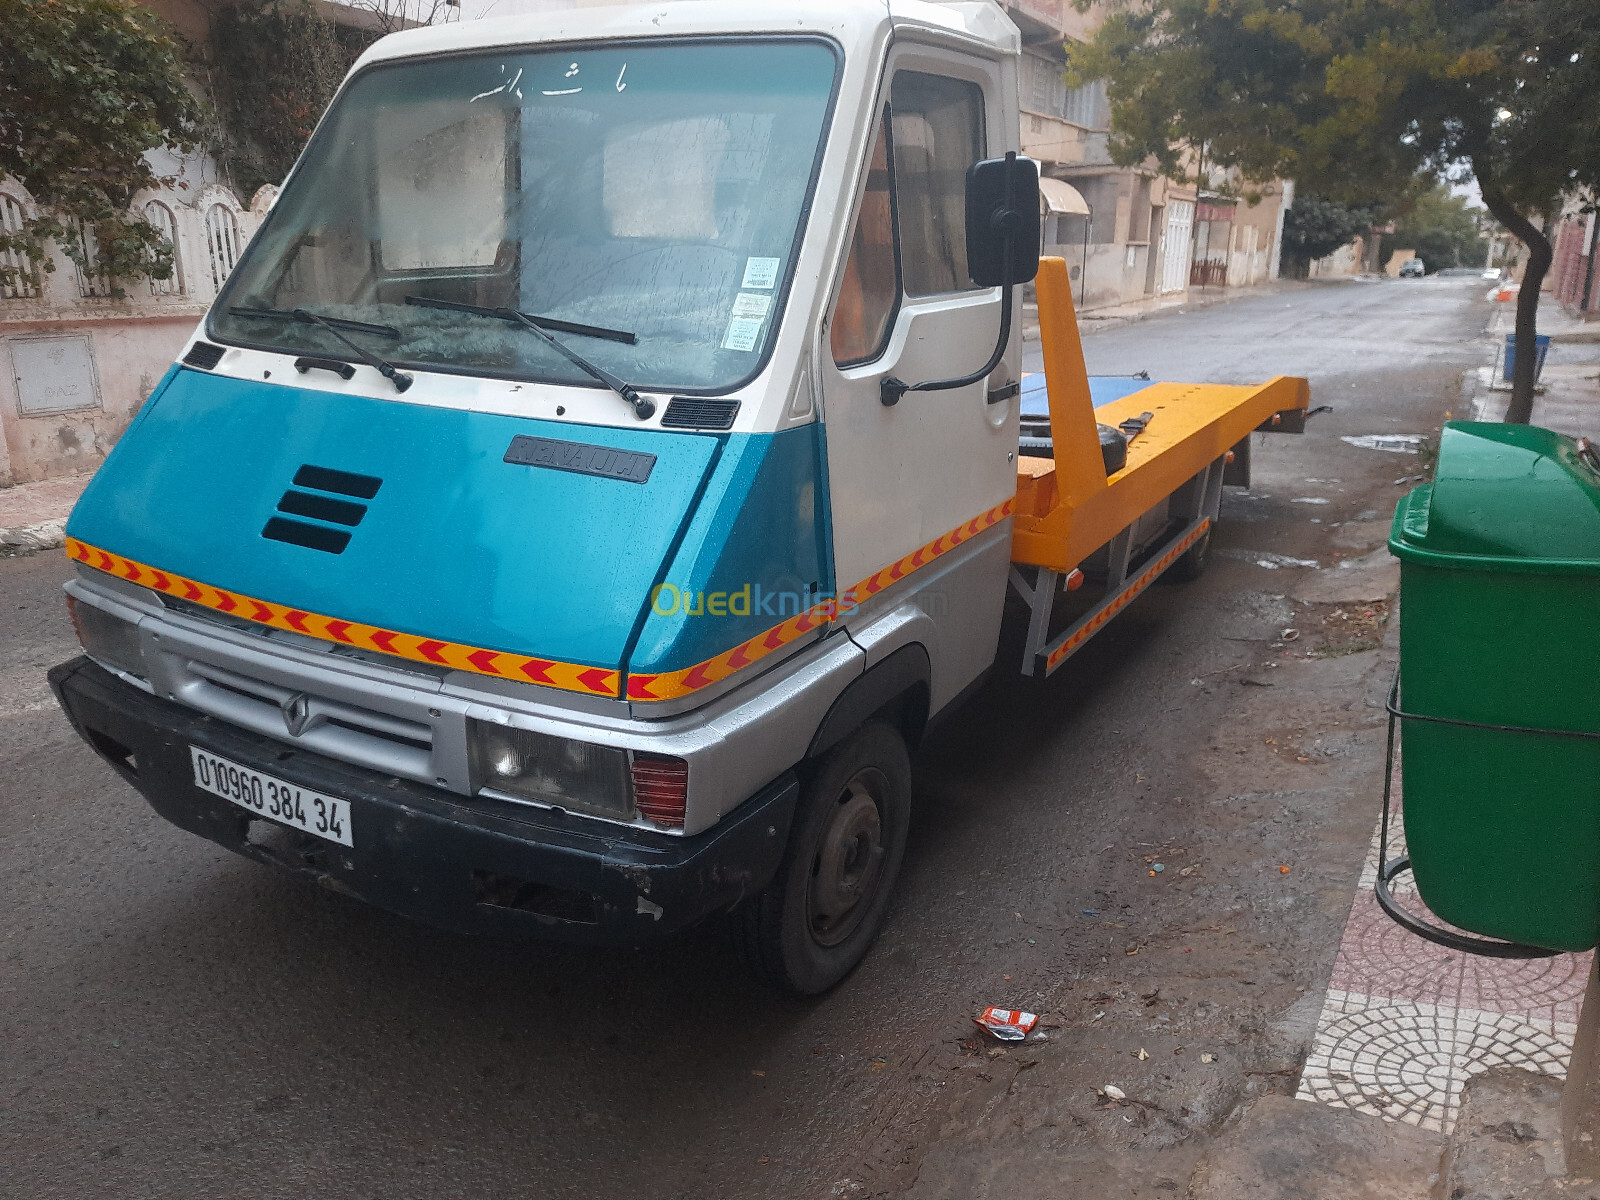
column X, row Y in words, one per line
column 891, row 388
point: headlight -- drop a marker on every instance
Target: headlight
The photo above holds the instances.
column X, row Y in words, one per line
column 551, row 770
column 105, row 638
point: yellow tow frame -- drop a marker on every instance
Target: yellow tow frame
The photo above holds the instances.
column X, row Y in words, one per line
column 1067, row 507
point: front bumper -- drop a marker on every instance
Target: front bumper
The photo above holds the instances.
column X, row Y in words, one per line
column 477, row 866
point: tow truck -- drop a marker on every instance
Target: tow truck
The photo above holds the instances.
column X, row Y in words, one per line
column 603, row 465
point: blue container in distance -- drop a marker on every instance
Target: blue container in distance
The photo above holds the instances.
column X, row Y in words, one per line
column 1509, row 369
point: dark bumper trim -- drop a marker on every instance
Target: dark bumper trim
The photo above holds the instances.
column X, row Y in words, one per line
column 474, row 866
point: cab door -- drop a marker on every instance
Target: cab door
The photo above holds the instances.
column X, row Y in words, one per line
column 900, row 477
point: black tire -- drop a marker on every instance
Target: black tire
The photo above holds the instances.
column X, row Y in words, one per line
column 804, row 932
column 1193, row 562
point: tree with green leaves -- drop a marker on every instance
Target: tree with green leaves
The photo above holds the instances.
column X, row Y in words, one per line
column 1315, row 227
column 1440, row 228
column 86, row 87
column 1355, row 99
column 277, row 65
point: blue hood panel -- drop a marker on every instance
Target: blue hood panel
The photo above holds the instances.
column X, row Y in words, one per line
column 456, row 544
column 754, row 554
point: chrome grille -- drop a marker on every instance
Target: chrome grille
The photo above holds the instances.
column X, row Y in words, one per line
column 345, row 731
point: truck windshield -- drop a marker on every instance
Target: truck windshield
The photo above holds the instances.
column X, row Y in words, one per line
column 656, row 188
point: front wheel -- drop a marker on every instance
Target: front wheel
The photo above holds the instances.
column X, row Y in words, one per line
column 823, row 909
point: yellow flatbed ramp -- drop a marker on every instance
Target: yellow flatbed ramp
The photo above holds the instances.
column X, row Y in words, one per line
column 1068, row 508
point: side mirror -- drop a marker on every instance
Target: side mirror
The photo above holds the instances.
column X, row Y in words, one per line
column 1002, row 208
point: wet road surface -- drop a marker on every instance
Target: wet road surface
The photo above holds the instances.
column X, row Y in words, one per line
column 176, row 1021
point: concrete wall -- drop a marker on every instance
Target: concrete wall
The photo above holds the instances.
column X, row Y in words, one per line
column 76, row 363
column 1111, row 278
column 1257, row 237
column 127, row 354
column 1344, row 261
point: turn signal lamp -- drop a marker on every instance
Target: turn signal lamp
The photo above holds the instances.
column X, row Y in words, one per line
column 661, row 788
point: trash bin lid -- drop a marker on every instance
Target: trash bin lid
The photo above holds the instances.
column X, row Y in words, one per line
column 1504, row 498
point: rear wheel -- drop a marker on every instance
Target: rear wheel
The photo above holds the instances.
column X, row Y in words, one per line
column 825, row 906
column 1193, row 561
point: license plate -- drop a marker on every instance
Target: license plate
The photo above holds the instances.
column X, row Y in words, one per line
column 266, row 796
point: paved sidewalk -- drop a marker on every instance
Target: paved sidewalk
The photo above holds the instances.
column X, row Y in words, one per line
column 33, row 515
column 1406, row 1023
column 1568, row 399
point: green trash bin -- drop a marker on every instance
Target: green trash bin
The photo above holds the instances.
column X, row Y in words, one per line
column 1499, row 600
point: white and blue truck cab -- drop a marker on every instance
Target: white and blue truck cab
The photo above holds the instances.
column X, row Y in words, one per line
column 604, row 463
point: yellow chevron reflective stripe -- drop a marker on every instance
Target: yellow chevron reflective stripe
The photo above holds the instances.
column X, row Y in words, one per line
column 571, row 677
column 499, row 664
column 674, row 684
column 1126, row 597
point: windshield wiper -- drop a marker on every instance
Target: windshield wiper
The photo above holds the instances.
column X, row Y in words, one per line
column 643, row 407
column 285, row 314
column 400, row 379
column 550, row 323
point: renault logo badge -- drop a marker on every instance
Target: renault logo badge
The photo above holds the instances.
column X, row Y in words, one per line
column 296, row 712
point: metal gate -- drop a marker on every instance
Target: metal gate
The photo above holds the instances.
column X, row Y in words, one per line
column 1175, row 257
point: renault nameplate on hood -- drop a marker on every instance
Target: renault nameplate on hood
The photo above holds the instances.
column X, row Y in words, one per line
column 630, row 466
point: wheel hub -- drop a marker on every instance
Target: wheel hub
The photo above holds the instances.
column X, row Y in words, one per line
column 849, row 862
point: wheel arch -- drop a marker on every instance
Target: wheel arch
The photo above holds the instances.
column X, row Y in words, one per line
column 899, row 688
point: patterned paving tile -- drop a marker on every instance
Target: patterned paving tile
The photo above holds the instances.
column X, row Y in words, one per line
column 1406, row 1022
column 1408, row 1061
column 1379, row 958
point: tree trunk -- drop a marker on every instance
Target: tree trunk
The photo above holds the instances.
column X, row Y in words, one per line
column 1520, row 410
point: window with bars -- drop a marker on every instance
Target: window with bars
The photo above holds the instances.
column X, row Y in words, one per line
column 19, row 280
column 1045, row 91
column 160, row 216
column 92, row 281
column 222, row 241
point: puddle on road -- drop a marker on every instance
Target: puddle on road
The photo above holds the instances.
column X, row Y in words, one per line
column 1395, row 443
column 1271, row 562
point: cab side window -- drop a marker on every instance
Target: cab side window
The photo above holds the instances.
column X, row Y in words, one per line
column 870, row 291
column 911, row 229
column 938, row 133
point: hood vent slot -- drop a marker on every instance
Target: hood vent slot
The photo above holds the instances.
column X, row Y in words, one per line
column 326, row 479
column 312, row 537
column 684, row 412
column 203, row 355
column 322, row 508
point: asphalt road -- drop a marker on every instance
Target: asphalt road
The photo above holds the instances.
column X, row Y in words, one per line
column 179, row 1022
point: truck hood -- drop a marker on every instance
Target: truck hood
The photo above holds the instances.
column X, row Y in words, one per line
column 553, row 554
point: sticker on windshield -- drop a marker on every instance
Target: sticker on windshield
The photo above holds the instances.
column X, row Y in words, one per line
column 744, row 323
column 760, row 272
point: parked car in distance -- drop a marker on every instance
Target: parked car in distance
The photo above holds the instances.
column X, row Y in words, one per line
column 1492, row 274
column 1412, row 268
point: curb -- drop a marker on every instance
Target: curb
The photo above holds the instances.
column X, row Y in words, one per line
column 43, row 535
